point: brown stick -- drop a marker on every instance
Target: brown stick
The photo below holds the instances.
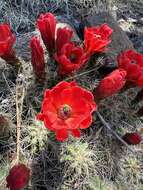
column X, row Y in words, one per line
column 113, row 132
column 20, row 91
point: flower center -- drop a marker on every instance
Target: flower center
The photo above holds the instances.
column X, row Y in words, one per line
column 64, row 112
column 73, row 57
column 133, row 62
column 97, row 36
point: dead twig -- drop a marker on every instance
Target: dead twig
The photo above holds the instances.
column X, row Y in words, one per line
column 20, row 92
column 98, row 65
column 113, row 132
column 81, row 74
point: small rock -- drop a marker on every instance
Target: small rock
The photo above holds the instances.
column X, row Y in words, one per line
column 125, row 25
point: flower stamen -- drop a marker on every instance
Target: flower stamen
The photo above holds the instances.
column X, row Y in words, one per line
column 64, row 112
column 73, row 57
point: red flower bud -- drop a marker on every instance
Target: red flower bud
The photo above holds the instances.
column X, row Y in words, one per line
column 37, row 58
column 97, row 38
column 47, row 26
column 132, row 138
column 111, row 84
column 18, row 177
column 64, row 36
column 132, row 62
column 7, row 40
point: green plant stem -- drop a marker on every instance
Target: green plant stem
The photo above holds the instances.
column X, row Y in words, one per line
column 13, row 60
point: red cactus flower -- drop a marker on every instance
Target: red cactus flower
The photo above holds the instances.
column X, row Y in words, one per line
column 37, row 58
column 47, row 26
column 71, row 59
column 18, row 177
column 132, row 138
column 97, row 38
column 111, row 84
column 64, row 36
column 7, row 40
column 132, row 62
column 67, row 108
